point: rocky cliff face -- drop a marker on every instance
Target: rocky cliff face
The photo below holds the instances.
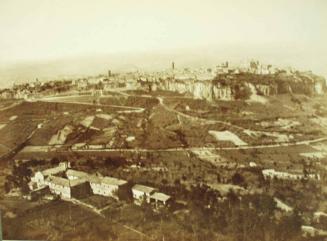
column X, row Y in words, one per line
column 200, row 89
column 222, row 92
column 301, row 83
column 230, row 87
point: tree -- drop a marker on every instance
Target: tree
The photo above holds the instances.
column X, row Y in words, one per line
column 232, row 198
column 289, row 227
column 149, row 214
column 238, row 179
column 7, row 187
column 164, row 181
column 242, row 92
column 54, row 161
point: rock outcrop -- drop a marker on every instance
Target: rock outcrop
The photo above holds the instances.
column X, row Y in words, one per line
column 235, row 86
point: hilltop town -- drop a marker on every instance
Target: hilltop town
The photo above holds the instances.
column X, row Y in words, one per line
column 222, row 82
column 230, row 152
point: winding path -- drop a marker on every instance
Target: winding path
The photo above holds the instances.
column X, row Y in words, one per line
column 203, row 120
column 11, row 106
column 99, row 212
column 174, row 149
column 55, row 100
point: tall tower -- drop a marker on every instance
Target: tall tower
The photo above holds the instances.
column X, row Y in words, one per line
column 173, row 65
column 109, row 73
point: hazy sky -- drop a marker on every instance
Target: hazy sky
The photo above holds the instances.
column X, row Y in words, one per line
column 51, row 29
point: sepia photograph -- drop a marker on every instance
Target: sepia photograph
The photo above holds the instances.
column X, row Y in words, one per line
column 163, row 120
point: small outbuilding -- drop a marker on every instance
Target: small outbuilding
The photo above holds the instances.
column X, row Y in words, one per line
column 160, row 199
column 142, row 193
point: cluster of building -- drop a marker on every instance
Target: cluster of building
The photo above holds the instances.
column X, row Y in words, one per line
column 197, row 81
column 280, row 175
column 254, row 67
column 68, row 183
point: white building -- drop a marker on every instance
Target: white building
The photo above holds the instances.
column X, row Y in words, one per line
column 40, row 176
column 271, row 173
column 282, row 206
column 142, row 193
column 106, row 186
column 59, row 186
column 66, row 188
column 79, row 146
column 78, row 184
column 252, row 164
column 160, row 199
column 319, row 215
column 318, row 87
column 73, row 174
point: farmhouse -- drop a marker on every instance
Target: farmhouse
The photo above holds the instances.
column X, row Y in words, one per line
column 77, row 184
column 319, row 216
column 79, row 146
column 40, row 176
column 107, row 186
column 142, row 193
column 66, row 188
column 59, row 186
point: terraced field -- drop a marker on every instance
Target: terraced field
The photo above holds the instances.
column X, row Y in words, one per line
column 129, row 120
